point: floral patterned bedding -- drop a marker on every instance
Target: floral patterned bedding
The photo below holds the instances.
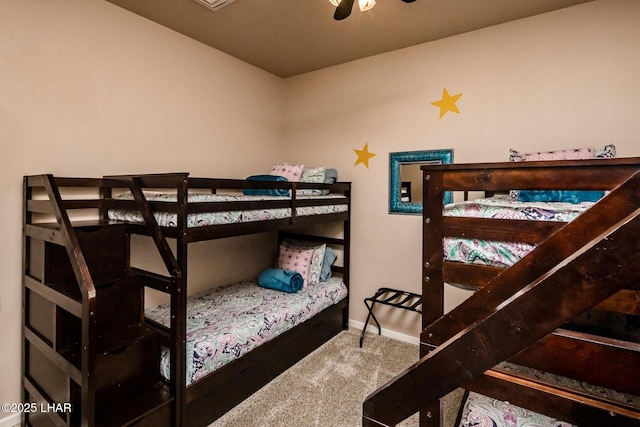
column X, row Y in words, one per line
column 480, row 411
column 502, row 254
column 483, row 411
column 167, row 219
column 226, row 322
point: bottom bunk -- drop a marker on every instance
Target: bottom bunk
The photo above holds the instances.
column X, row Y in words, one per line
column 225, row 323
column 242, row 335
column 212, row 397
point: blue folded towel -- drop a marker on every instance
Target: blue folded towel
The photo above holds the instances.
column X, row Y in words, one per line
column 266, row 191
column 566, row 196
column 280, row 280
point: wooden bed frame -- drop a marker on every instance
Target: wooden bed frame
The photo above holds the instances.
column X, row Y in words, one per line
column 532, row 313
column 86, row 339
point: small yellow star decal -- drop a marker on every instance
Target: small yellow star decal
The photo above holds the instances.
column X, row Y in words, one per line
column 363, row 155
column 447, row 103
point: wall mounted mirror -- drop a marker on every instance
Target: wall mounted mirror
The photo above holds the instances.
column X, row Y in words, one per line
column 405, row 178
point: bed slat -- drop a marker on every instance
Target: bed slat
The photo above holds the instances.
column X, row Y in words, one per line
column 504, row 230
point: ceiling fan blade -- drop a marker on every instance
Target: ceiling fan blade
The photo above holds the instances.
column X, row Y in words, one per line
column 343, row 10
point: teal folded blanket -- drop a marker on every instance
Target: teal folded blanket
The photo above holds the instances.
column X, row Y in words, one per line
column 565, row 196
column 280, row 280
column 266, row 191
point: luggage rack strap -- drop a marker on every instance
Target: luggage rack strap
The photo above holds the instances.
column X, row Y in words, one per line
column 394, row 298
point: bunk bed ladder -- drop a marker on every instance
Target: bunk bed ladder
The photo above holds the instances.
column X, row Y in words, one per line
column 174, row 285
column 84, row 339
column 71, row 243
column 490, row 328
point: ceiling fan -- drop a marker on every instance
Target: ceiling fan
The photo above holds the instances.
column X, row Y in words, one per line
column 344, row 7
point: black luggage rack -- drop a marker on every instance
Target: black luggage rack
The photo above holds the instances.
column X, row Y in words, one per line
column 393, row 297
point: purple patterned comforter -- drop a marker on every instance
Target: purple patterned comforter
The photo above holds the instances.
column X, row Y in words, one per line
column 502, row 254
column 226, row 322
column 168, row 219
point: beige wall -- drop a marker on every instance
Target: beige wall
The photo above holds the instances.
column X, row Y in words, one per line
column 125, row 95
column 88, row 89
column 563, row 79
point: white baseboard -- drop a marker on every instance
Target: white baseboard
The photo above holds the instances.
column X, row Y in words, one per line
column 10, row 421
column 385, row 332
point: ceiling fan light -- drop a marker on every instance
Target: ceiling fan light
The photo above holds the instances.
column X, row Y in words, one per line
column 365, row 4
column 335, row 2
column 215, row 4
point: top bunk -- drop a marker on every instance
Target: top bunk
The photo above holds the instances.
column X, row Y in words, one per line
column 517, row 205
column 180, row 206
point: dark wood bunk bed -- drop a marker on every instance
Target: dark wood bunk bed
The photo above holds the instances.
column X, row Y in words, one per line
column 87, row 341
column 569, row 308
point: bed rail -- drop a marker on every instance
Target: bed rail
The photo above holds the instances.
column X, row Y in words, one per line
column 168, row 182
column 576, row 266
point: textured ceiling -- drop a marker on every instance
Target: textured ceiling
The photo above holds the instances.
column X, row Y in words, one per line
column 290, row 37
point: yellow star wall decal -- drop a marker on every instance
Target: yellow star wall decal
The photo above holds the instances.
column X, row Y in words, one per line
column 447, row 103
column 363, row 155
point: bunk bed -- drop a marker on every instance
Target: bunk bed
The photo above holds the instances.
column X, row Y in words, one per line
column 91, row 341
column 562, row 310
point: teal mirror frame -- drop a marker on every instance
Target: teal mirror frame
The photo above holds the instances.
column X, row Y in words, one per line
column 412, row 157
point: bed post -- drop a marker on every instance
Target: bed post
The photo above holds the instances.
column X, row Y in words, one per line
column 432, row 257
column 346, row 238
column 432, row 264
column 179, row 307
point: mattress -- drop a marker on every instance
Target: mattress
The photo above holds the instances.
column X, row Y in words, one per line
column 226, row 322
column 502, row 254
column 167, row 219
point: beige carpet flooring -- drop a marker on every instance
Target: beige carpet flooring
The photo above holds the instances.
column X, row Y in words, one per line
column 328, row 387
